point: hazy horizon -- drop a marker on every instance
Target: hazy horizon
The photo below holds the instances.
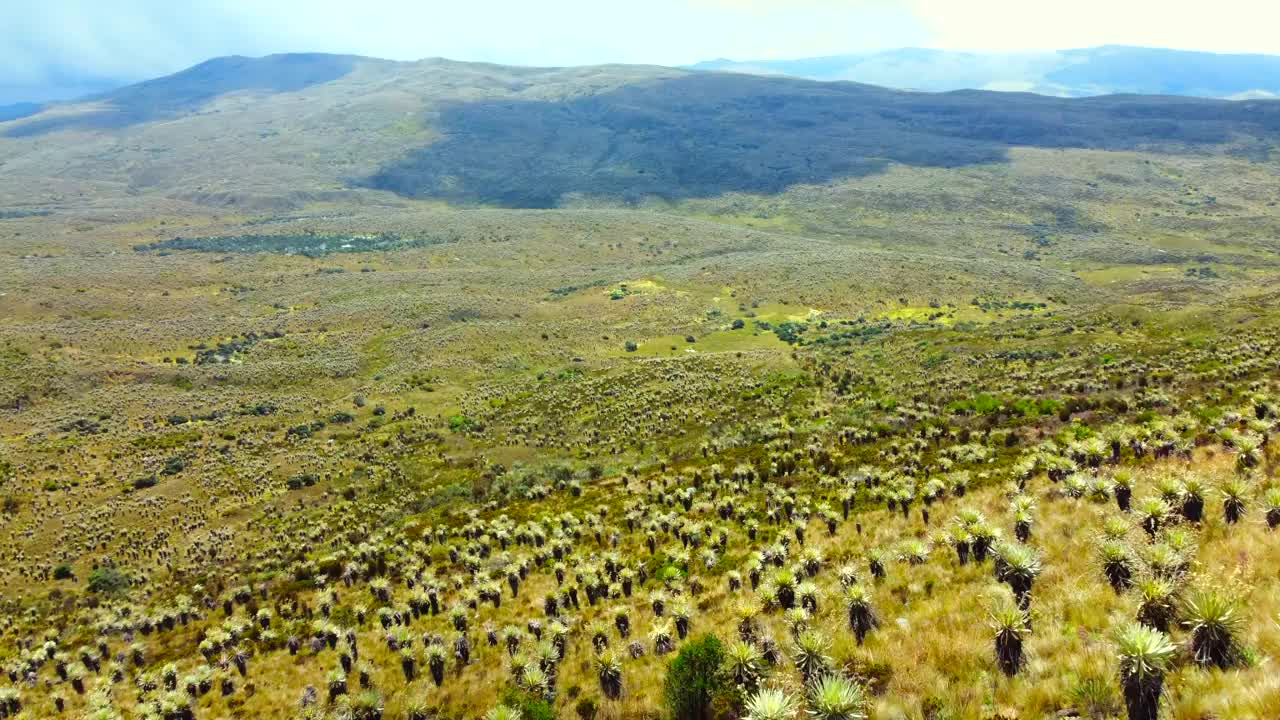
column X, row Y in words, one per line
column 77, row 44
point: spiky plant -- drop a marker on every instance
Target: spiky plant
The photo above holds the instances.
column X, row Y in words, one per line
column 876, row 560
column 1164, row 561
column 1180, row 540
column 746, row 613
column 658, row 601
column 983, row 537
column 735, row 580
column 512, row 636
column 1212, row 616
column 599, row 631
column 1272, row 500
column 1152, row 512
column 1145, row 656
column 812, row 560
column 784, row 589
column 503, row 712
column 609, row 672
column 408, row 664
column 77, row 675
column 1170, row 489
column 1023, row 520
column 1098, row 490
column 435, row 663
column 10, row 702
column 1115, row 528
column 914, row 552
column 958, row 536
column 1235, row 492
column 622, row 621
column 1019, row 566
column 535, row 682
column 835, row 697
column 660, row 636
column 1009, row 622
column 1117, row 564
column 1075, row 485
column 862, row 614
column 742, row 662
column 771, row 704
column 797, row 620
column 682, row 614
column 847, row 575
column 1247, row 448
column 458, row 616
column 1122, row 489
column 337, row 684
column 1191, row 498
column 1157, row 603
column 810, row 654
column 809, row 595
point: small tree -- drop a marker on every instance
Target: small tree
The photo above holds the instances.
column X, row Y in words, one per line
column 694, row 678
column 107, row 580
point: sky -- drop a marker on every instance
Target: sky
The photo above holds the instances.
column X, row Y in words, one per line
column 50, row 44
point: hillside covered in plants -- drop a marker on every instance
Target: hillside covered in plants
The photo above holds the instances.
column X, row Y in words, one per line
column 348, row 389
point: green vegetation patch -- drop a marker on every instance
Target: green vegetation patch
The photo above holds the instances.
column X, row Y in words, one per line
column 306, row 244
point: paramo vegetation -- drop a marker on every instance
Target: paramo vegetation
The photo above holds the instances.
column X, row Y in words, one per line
column 370, row 397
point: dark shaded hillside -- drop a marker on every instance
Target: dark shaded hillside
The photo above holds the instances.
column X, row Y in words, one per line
column 186, row 91
column 706, row 134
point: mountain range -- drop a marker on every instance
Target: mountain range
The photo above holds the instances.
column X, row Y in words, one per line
column 285, row 130
column 1066, row 73
column 1083, row 72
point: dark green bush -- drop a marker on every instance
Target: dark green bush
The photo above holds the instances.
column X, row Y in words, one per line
column 694, row 678
column 530, row 706
column 107, row 581
column 587, row 708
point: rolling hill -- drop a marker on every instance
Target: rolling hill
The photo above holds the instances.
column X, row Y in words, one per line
column 282, row 130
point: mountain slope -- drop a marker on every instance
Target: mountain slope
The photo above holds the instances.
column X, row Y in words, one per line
column 186, row 91
column 1068, row 73
column 285, row 130
column 704, row 135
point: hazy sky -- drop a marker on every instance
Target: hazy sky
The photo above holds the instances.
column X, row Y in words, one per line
column 49, row 42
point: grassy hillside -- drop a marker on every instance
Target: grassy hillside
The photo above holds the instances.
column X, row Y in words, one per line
column 954, row 406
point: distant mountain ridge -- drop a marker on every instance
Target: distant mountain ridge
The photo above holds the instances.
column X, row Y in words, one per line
column 1105, row 70
column 283, row 130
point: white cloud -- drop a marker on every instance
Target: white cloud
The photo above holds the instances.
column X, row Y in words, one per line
column 1221, row 26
